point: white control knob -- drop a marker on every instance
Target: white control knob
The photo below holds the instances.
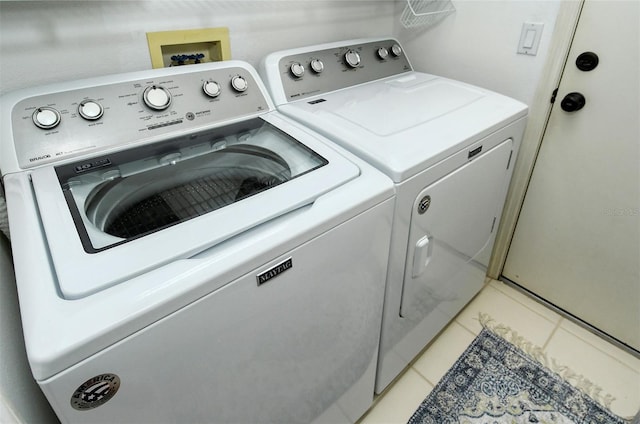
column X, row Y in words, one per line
column 297, row 69
column 157, row 97
column 46, row 117
column 317, row 66
column 239, row 83
column 383, row 53
column 90, row 110
column 396, row 50
column 211, row 88
column 352, row 58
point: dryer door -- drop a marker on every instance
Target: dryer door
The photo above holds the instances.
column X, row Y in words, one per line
column 453, row 226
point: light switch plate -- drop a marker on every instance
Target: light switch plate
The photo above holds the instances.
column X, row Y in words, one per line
column 530, row 38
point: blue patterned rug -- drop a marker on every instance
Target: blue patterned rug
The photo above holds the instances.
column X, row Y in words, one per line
column 494, row 382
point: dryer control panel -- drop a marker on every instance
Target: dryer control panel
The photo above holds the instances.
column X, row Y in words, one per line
column 315, row 70
column 108, row 112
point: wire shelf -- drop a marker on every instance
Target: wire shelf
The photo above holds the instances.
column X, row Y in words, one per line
column 422, row 13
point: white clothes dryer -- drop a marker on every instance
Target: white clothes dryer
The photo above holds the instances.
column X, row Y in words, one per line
column 449, row 148
column 185, row 253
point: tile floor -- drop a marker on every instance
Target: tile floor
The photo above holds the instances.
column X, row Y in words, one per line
column 615, row 371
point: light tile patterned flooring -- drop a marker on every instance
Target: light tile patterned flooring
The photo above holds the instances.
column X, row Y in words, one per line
column 615, row 371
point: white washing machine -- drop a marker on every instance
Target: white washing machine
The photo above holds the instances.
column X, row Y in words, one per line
column 449, row 148
column 185, row 253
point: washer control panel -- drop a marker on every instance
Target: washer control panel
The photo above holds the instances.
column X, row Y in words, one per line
column 317, row 71
column 116, row 111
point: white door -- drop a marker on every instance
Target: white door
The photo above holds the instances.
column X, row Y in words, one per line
column 577, row 240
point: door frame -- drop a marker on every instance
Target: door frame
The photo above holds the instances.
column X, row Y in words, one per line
column 539, row 113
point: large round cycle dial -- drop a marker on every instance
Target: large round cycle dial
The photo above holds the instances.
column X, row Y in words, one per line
column 46, row 117
column 157, row 97
column 90, row 110
column 352, row 58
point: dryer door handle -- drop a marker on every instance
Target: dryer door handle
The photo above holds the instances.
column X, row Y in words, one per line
column 422, row 255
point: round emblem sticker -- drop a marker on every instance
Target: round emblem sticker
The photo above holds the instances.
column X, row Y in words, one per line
column 95, row 391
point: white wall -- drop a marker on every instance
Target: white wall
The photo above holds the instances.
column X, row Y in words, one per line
column 477, row 44
column 48, row 41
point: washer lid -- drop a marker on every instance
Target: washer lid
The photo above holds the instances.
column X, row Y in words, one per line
column 119, row 197
column 112, row 217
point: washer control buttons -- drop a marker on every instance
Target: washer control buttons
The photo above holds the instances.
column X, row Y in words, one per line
column 317, row 66
column 156, row 97
column 211, row 88
column 239, row 83
column 296, row 69
column 90, row 110
column 396, row 50
column 352, row 58
column 383, row 53
column 46, row 118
